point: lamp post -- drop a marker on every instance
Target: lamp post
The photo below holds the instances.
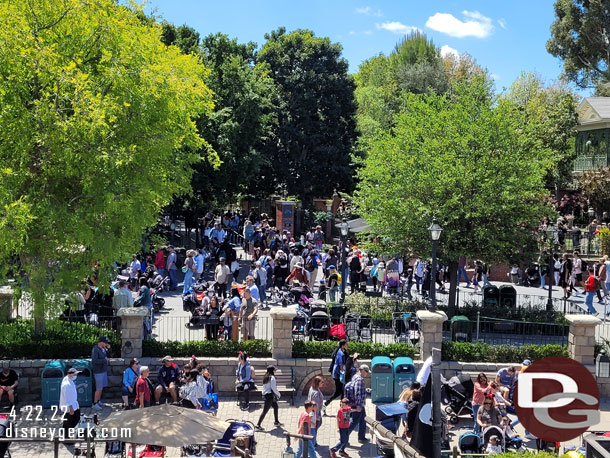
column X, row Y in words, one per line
column 551, row 231
column 344, row 227
column 435, row 234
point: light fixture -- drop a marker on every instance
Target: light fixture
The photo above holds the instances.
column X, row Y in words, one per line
column 435, row 231
column 344, row 226
column 602, row 365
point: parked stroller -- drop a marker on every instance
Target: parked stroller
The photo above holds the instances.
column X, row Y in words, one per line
column 406, row 327
column 194, row 297
column 351, row 327
column 359, row 327
column 243, row 432
column 470, row 443
column 457, row 394
column 147, row 451
column 300, row 290
column 300, row 324
column 389, row 415
column 319, row 326
column 317, row 306
column 198, row 318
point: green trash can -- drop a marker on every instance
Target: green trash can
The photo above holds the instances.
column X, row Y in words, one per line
column 84, row 383
column 404, row 375
column 52, row 375
column 491, row 295
column 382, row 379
column 461, row 329
column 508, row 296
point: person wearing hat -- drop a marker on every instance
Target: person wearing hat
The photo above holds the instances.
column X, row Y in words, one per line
column 298, row 274
column 168, row 376
column 355, row 391
column 221, row 277
column 99, row 363
column 68, row 400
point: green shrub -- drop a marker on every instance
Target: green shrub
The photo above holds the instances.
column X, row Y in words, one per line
column 59, row 340
column 254, row 348
column 483, row 352
column 367, row 350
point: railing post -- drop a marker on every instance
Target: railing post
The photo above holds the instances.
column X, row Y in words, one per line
column 478, row 323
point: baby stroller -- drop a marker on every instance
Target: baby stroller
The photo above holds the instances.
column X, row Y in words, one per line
column 389, row 415
column 319, row 326
column 198, row 318
column 365, row 328
column 300, row 324
column 351, row 326
column 193, row 298
column 147, row 451
column 114, row 449
column 243, row 432
column 470, row 442
column 317, row 306
column 300, row 290
column 490, row 431
column 406, row 327
column 457, row 394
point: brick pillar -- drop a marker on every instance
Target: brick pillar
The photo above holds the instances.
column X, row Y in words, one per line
column 281, row 347
column 431, row 331
column 581, row 338
column 132, row 331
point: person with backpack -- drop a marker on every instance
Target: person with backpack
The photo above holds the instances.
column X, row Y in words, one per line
column 337, row 370
column 311, row 265
column 355, row 392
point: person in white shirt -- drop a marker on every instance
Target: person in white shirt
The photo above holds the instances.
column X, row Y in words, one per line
column 493, row 446
column 271, row 395
column 190, row 392
column 424, row 372
column 135, row 269
column 68, row 400
column 200, row 262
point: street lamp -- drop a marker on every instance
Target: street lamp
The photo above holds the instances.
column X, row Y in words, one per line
column 435, row 234
column 344, row 227
column 551, row 232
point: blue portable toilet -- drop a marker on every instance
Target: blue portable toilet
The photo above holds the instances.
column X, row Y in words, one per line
column 52, row 375
column 84, row 383
column 382, row 379
column 404, row 374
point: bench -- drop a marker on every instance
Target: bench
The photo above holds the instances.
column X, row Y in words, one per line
column 284, row 378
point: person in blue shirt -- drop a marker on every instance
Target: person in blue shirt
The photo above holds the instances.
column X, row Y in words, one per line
column 338, row 367
column 231, row 312
column 130, row 377
column 251, row 285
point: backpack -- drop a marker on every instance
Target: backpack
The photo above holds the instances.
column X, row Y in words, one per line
column 310, row 264
column 332, row 360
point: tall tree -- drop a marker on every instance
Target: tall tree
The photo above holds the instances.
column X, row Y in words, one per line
column 97, row 128
column 581, row 38
column 459, row 158
column 414, row 66
column 185, row 37
column 310, row 153
column 547, row 115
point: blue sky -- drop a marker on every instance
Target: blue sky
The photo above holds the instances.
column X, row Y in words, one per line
column 507, row 37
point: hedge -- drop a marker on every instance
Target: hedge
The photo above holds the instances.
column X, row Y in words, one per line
column 527, row 454
column 366, row 350
column 483, row 352
column 59, row 340
column 254, row 348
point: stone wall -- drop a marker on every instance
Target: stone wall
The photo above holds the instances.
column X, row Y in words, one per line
column 223, row 373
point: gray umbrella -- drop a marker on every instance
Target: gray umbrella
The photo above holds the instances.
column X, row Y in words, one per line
column 165, row 425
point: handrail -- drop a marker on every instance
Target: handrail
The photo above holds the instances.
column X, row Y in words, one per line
column 403, row 445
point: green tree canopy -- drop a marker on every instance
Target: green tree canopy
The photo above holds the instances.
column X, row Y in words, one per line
column 547, row 116
column 580, row 37
column 310, row 151
column 460, row 158
column 97, row 128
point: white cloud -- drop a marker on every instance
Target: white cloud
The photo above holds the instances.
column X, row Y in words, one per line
column 502, row 23
column 397, row 27
column 473, row 25
column 368, row 32
column 495, row 77
column 447, row 50
column 352, row 32
column 368, row 11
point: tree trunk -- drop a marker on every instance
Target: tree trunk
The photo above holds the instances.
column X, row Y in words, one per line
column 39, row 325
column 453, row 266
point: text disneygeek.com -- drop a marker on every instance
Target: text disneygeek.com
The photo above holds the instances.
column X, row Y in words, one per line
column 37, row 432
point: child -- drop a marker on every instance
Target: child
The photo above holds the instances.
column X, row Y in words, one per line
column 494, row 446
column 343, row 423
column 500, row 401
column 305, row 428
column 510, row 434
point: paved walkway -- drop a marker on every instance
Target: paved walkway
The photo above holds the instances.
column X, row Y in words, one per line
column 271, row 442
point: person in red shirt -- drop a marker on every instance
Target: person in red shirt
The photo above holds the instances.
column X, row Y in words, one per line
column 160, row 261
column 143, row 389
column 305, row 428
column 590, row 289
column 343, row 422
